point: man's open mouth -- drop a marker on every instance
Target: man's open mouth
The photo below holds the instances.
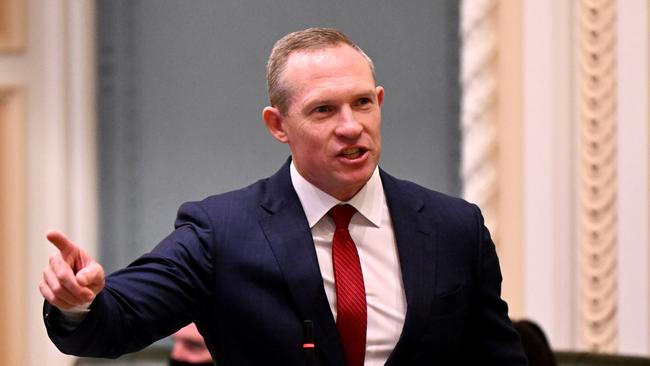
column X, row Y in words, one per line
column 353, row 153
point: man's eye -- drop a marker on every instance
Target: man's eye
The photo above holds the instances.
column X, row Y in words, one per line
column 364, row 101
column 322, row 109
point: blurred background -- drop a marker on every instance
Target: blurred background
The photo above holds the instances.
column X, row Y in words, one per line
column 113, row 113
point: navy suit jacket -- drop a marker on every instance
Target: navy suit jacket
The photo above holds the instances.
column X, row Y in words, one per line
column 242, row 265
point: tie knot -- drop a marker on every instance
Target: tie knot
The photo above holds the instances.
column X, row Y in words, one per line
column 341, row 215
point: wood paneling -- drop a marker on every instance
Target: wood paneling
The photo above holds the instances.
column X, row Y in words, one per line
column 13, row 338
column 12, row 25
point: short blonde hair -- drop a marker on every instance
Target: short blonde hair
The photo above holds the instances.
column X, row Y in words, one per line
column 310, row 39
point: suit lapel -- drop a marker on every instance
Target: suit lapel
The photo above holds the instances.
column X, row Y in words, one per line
column 286, row 228
column 287, row 231
column 416, row 249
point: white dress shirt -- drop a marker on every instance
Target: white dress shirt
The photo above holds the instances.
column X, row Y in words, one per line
column 371, row 229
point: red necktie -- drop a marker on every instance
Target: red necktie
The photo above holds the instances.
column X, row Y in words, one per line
column 351, row 312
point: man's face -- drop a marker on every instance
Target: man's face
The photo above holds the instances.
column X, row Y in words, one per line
column 333, row 120
column 189, row 347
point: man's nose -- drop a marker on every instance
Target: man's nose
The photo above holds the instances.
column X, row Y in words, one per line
column 348, row 126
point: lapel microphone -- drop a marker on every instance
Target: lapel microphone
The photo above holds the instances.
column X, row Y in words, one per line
column 308, row 341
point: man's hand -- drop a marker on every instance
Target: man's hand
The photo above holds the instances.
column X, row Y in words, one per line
column 72, row 277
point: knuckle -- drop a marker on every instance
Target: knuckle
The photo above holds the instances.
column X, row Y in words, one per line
column 61, row 273
column 89, row 298
column 56, row 288
column 42, row 287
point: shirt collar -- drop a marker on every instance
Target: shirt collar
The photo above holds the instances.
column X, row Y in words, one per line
column 316, row 203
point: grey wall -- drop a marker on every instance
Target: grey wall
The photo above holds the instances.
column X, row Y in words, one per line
column 181, row 88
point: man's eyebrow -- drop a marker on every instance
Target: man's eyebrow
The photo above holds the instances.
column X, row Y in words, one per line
column 320, row 101
column 365, row 93
column 327, row 101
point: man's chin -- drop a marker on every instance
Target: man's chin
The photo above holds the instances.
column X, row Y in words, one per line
column 361, row 174
column 351, row 184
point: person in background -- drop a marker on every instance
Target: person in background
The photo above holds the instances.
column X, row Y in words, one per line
column 536, row 345
column 189, row 348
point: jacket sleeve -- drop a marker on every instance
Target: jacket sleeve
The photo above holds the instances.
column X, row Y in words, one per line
column 150, row 299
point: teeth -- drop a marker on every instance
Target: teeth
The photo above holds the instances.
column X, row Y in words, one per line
column 352, row 153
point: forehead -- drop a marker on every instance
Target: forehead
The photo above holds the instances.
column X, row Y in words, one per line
column 332, row 70
column 339, row 59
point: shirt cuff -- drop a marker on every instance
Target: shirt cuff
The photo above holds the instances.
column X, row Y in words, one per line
column 71, row 318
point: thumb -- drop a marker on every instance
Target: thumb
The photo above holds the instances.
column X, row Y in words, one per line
column 91, row 276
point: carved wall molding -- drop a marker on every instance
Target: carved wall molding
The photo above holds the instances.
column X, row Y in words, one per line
column 479, row 164
column 598, row 174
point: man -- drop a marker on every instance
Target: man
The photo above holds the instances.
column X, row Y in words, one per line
column 330, row 261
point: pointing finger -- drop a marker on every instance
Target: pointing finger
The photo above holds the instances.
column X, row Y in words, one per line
column 76, row 257
column 62, row 243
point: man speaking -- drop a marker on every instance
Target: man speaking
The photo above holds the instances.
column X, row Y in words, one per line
column 331, row 261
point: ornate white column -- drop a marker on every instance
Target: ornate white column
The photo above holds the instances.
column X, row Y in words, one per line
column 479, row 152
column 598, row 174
column 492, row 130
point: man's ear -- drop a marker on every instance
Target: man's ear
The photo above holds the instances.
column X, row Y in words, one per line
column 273, row 121
column 380, row 95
